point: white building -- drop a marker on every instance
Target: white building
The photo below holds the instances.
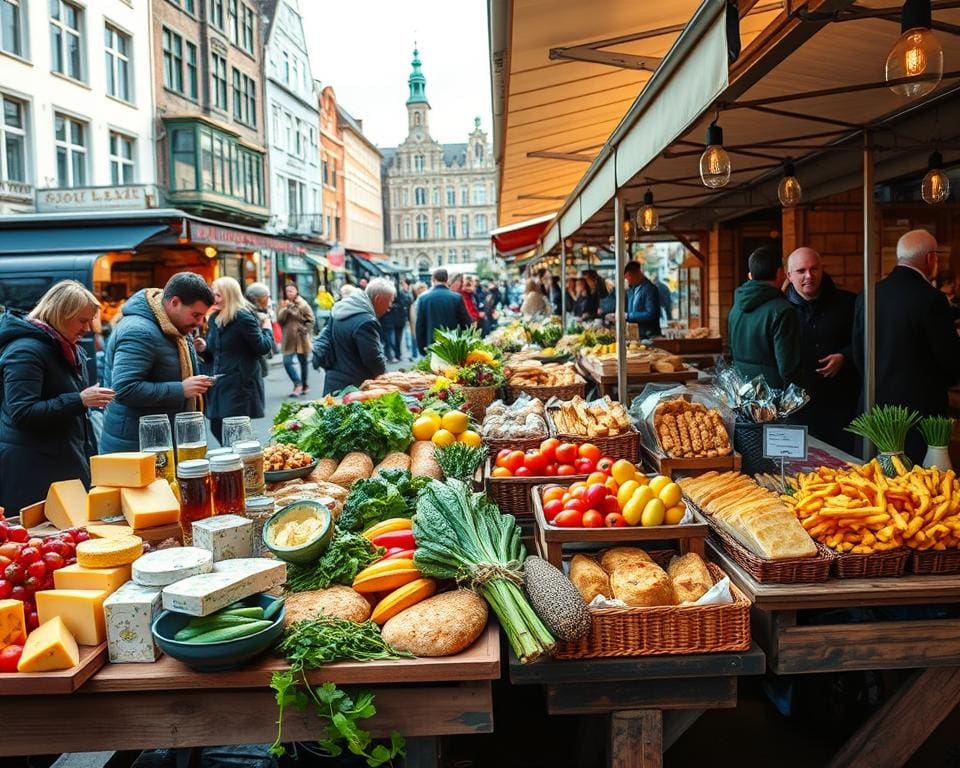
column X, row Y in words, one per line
column 77, row 105
column 363, row 192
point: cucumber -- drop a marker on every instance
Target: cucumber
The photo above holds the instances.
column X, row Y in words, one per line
column 187, row 632
column 273, row 609
column 198, row 627
column 230, row 633
column 252, row 613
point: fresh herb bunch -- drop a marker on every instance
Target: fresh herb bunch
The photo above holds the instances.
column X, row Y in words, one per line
column 311, row 643
column 389, row 493
column 347, row 554
column 453, row 345
column 376, row 427
column 545, row 335
column 341, row 714
column 936, row 430
column 480, row 375
column 886, row 426
column 443, row 400
column 460, row 460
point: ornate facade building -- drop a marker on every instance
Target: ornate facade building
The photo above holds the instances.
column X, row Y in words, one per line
column 439, row 199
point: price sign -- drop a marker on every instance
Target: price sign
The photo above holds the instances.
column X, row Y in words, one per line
column 784, row 441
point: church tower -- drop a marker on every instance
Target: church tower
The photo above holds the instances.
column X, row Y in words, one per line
column 418, row 108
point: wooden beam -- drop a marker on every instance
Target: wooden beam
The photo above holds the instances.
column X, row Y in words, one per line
column 636, row 739
column 609, row 58
column 686, row 243
column 676, row 722
column 545, row 155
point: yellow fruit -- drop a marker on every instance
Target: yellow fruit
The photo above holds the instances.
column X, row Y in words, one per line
column 622, row 471
column 471, row 438
column 658, row 483
column 455, row 421
column 633, row 510
column 653, row 513
column 424, row 428
column 642, row 478
column 670, row 495
column 433, row 416
column 674, row 515
column 626, row 492
column 443, row 437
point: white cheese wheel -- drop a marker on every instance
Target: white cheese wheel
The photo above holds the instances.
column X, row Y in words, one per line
column 166, row 566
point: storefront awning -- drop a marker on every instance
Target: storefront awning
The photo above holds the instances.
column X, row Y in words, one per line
column 375, row 264
column 90, row 239
column 517, row 238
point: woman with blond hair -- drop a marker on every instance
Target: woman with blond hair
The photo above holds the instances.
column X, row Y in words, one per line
column 236, row 340
column 534, row 302
column 45, row 429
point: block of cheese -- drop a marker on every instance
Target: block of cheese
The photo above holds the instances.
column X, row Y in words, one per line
column 100, row 531
column 32, row 516
column 109, row 552
column 153, row 505
column 66, row 504
column 13, row 625
column 103, row 501
column 77, row 576
column 231, row 580
column 165, row 566
column 226, row 536
column 80, row 609
column 129, row 613
column 123, row 470
column 49, row 647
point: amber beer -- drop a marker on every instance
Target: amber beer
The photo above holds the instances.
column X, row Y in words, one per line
column 229, row 497
column 196, row 494
column 165, row 466
column 191, row 451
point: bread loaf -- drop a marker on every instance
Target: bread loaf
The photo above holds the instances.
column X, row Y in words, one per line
column 611, row 559
column 338, row 602
column 589, row 578
column 642, row 584
column 690, row 577
column 441, row 625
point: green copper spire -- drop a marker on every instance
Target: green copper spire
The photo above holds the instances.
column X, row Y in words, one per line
column 417, row 82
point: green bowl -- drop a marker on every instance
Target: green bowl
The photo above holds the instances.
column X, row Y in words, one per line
column 216, row 657
column 310, row 551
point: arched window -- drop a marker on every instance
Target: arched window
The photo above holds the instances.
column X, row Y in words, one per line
column 478, row 152
column 418, row 163
column 420, row 196
column 437, row 229
column 435, row 197
column 479, row 194
column 406, row 229
column 417, row 118
column 422, row 227
column 451, row 196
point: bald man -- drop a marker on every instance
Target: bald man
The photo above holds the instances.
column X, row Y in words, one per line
column 918, row 351
column 826, row 364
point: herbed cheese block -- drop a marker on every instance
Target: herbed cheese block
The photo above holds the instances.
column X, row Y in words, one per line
column 103, row 501
column 101, row 531
column 232, row 580
column 153, row 505
column 129, row 613
column 77, row 576
column 123, row 470
column 13, row 625
column 80, row 609
column 165, row 566
column 109, row 552
column 66, row 504
column 49, row 647
column 226, row 536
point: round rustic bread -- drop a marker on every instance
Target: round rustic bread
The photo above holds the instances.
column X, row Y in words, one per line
column 622, row 557
column 336, row 602
column 441, row 625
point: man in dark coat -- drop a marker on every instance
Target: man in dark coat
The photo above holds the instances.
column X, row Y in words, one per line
column 826, row 356
column 917, row 348
column 763, row 327
column 350, row 348
column 152, row 358
column 643, row 301
column 392, row 324
column 439, row 308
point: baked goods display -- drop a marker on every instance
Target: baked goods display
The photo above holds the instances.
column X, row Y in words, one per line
column 753, row 515
column 690, row 577
column 688, row 430
column 534, row 374
column 400, row 381
column 640, row 359
column 280, row 456
column 524, row 418
column 597, row 418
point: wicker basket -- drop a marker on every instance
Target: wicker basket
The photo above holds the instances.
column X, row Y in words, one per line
column 512, row 494
column 566, row 392
column 476, row 399
column 663, row 630
column 623, row 446
column 512, row 443
column 873, row 566
column 930, row 562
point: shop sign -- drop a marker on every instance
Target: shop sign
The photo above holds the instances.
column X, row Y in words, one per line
column 239, row 240
column 295, row 264
column 136, row 197
column 336, row 257
column 783, row 441
column 16, row 192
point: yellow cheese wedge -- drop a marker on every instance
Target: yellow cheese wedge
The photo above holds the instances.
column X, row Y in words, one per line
column 13, row 627
column 123, row 470
column 150, row 506
column 103, row 501
column 50, row 646
column 80, row 609
column 103, row 531
column 107, row 580
column 66, row 505
column 32, row 516
column 110, row 552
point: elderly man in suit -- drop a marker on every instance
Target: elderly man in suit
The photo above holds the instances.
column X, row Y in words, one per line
column 439, row 307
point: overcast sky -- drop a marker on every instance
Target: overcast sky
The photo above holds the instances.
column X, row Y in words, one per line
column 363, row 48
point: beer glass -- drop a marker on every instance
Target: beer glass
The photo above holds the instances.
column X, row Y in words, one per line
column 236, row 429
column 191, row 431
column 155, row 438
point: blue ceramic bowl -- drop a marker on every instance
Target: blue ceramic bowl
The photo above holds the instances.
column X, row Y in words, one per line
column 310, row 551
column 216, row 657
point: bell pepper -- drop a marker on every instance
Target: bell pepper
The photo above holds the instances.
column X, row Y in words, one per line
column 395, row 539
column 394, row 554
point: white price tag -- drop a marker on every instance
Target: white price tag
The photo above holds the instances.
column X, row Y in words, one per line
column 784, row 441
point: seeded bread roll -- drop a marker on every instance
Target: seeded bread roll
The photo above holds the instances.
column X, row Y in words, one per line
column 618, row 557
column 337, row 602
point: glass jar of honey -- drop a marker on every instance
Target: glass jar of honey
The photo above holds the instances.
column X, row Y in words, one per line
column 196, row 494
column 228, row 495
column 251, row 454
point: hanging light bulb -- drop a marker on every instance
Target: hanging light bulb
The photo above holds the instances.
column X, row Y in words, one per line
column 647, row 217
column 916, row 54
column 936, row 184
column 715, row 162
column 788, row 190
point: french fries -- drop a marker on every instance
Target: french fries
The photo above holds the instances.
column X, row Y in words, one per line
column 859, row 510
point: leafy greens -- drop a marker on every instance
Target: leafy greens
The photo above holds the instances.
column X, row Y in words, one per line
column 375, row 427
column 389, row 493
column 347, row 555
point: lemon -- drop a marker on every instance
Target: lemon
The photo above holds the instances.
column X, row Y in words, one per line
column 670, row 495
column 423, row 428
column 633, row 510
column 626, row 492
column 674, row 515
column 622, row 471
column 643, row 495
column 471, row 438
column 455, row 421
column 653, row 513
column 658, row 483
column 443, row 437
column 642, row 478
column 433, row 416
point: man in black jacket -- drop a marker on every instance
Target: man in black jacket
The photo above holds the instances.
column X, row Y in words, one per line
column 439, row 308
column 826, row 365
column 917, row 348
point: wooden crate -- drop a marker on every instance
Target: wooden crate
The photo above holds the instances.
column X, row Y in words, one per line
column 689, row 346
column 666, row 465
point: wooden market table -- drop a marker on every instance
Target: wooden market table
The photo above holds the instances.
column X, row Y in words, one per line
column 167, row 705
column 651, row 700
column 607, row 383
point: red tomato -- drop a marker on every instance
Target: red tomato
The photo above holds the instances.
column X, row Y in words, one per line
column 550, row 470
column 503, row 453
column 566, row 469
column 549, row 448
column 33, row 621
column 522, row 471
column 514, row 461
column 535, row 461
column 566, row 453
column 609, row 504
column 614, row 520
column 595, row 494
column 569, row 518
column 584, row 466
column 552, row 508
column 15, row 572
column 605, row 464
column 5, row 589
column 29, row 555
column 4, row 562
column 32, row 584
column 592, row 519
column 35, row 542
column 589, row 451
column 81, row 535
column 19, row 593
column 3, row 530
column 54, row 561
column 18, row 534
column 9, row 657
column 575, row 504
column 37, row 569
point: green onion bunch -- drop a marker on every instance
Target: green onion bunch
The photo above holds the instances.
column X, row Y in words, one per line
column 936, row 430
column 886, row 426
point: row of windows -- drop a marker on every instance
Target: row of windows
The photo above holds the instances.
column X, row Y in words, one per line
column 205, row 160
column 297, row 137
column 232, row 17
column 329, row 172
column 292, row 71
column 405, row 229
column 422, row 262
column 71, row 144
column 419, row 161
column 302, row 212
column 401, row 197
column 68, row 46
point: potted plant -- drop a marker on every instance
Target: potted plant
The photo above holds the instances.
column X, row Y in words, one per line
column 479, row 382
column 936, row 430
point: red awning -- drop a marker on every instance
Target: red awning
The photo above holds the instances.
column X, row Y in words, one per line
column 517, row 238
